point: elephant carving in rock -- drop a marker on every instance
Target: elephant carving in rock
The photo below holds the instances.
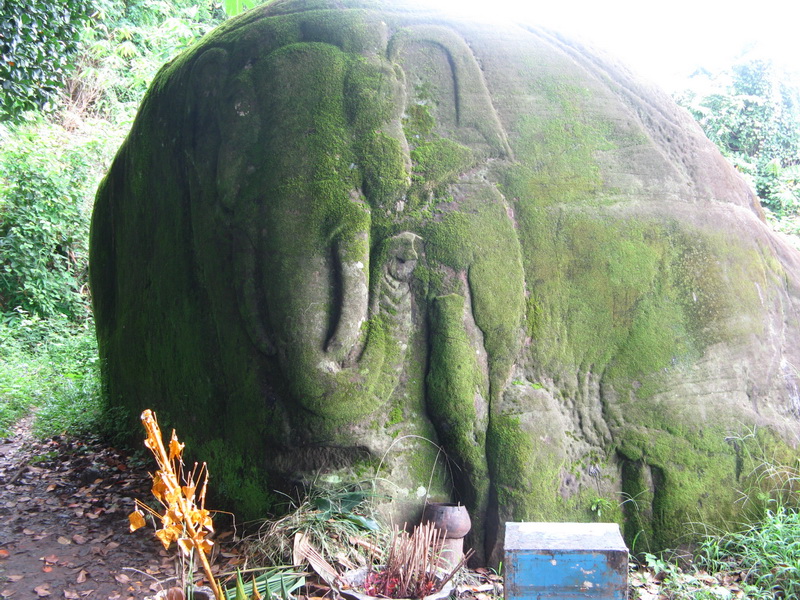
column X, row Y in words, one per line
column 352, row 237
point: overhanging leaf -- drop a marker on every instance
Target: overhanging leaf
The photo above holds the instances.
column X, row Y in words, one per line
column 233, row 7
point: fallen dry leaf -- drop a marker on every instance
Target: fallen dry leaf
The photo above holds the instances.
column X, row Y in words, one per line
column 14, row 578
column 4, row 553
column 42, row 590
column 122, row 578
column 78, row 539
column 63, row 541
column 82, row 575
column 70, row 595
column 103, row 537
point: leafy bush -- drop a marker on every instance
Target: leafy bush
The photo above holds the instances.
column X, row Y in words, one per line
column 47, row 180
column 72, row 400
column 126, row 45
column 17, row 385
column 752, row 113
column 37, row 40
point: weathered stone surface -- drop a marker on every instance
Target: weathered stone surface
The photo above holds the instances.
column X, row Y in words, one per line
column 341, row 232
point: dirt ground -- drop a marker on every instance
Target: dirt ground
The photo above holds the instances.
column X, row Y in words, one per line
column 64, row 526
column 64, row 507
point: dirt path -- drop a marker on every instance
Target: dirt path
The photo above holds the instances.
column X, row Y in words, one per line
column 63, row 522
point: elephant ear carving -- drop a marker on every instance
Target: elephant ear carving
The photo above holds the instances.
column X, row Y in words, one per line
column 201, row 122
column 442, row 70
column 223, row 126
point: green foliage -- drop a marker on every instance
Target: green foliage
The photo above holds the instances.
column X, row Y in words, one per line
column 37, row 41
column 73, row 402
column 50, row 366
column 125, row 47
column 48, row 173
column 17, row 386
column 89, row 73
column 235, row 7
column 46, row 180
column 752, row 113
column 768, row 550
column 676, row 584
column 275, row 582
column 600, row 505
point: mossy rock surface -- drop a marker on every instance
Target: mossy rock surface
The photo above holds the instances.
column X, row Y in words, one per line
column 341, row 233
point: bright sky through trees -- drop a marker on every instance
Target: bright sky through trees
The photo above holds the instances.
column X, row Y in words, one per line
column 665, row 41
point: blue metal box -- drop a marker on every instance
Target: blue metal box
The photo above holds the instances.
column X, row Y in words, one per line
column 565, row 561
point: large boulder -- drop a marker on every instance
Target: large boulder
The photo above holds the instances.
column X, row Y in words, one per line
column 471, row 260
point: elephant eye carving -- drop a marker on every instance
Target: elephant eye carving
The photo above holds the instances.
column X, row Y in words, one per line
column 402, row 257
column 400, row 267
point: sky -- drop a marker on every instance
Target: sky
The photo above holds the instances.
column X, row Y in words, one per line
column 663, row 41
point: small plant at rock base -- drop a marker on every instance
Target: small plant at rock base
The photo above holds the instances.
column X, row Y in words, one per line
column 276, row 583
column 660, row 566
column 600, row 505
column 338, row 522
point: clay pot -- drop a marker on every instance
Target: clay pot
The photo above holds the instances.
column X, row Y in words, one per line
column 454, row 523
column 452, row 519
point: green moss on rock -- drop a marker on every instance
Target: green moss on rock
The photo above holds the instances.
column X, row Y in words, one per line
column 672, row 480
column 236, row 481
column 480, row 238
column 525, row 475
column 454, row 380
